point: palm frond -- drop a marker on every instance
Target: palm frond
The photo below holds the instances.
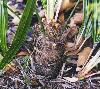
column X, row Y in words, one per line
column 91, row 64
column 50, row 9
column 93, row 29
column 3, row 26
column 21, row 33
column 96, row 19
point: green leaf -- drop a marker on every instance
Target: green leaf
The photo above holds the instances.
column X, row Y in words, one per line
column 1, row 57
column 21, row 32
column 96, row 21
column 3, row 26
column 93, row 26
column 44, row 3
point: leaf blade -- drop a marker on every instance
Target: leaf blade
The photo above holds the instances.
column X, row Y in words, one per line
column 3, row 26
column 21, row 32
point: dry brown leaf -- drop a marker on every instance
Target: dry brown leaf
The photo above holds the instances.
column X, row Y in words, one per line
column 22, row 53
column 34, row 82
column 66, row 5
column 80, row 42
column 9, row 68
column 83, row 73
column 74, row 49
column 76, row 19
column 73, row 31
column 61, row 18
column 72, row 52
column 69, row 45
column 51, row 25
column 71, row 24
column 83, row 55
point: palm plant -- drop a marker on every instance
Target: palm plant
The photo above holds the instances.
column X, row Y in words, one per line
column 10, row 52
column 54, row 6
column 91, row 12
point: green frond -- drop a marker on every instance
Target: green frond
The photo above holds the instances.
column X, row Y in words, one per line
column 20, row 33
column 94, row 22
column 3, row 26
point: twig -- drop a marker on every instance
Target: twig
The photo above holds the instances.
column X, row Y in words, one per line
column 16, row 79
column 63, row 81
column 62, row 70
column 31, row 59
column 89, row 82
column 92, row 74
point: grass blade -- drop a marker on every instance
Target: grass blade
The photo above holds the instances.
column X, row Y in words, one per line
column 21, row 32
